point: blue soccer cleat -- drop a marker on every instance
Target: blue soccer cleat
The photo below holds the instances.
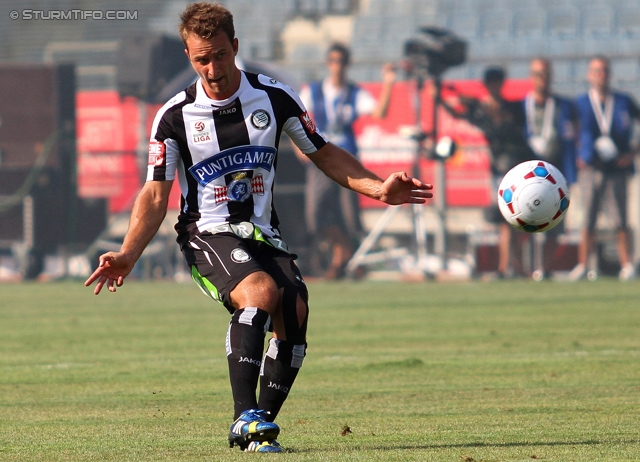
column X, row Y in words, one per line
column 264, row 446
column 252, row 426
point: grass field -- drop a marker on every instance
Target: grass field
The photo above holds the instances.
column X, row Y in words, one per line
column 497, row 371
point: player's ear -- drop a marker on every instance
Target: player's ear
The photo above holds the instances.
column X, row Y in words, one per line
column 234, row 45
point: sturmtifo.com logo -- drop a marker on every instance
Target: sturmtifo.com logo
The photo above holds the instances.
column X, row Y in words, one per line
column 74, row 15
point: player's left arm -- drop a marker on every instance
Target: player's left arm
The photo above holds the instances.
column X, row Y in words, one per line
column 346, row 170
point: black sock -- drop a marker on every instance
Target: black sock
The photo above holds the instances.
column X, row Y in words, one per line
column 280, row 367
column 245, row 346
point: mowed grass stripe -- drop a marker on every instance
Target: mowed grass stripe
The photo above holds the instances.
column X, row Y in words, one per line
column 510, row 370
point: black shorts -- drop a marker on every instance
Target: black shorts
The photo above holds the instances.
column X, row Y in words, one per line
column 219, row 262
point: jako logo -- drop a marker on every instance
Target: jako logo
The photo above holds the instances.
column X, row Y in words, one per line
column 279, row 387
column 255, row 362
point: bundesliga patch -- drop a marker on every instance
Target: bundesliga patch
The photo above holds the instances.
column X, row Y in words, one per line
column 308, row 122
column 240, row 189
column 200, row 132
column 157, row 151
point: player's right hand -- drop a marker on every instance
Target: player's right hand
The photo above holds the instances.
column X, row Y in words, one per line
column 112, row 270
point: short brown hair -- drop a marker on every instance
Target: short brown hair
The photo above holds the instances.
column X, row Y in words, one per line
column 205, row 20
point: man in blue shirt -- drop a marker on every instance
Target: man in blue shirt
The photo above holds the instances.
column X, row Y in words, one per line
column 550, row 125
column 605, row 162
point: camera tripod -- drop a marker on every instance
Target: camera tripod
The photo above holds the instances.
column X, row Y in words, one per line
column 362, row 255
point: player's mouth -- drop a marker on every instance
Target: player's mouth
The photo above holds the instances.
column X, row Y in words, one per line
column 215, row 81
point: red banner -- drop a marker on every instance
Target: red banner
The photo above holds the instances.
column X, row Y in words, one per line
column 385, row 145
column 111, row 153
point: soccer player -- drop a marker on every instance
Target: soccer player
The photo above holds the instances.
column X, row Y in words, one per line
column 605, row 162
column 219, row 139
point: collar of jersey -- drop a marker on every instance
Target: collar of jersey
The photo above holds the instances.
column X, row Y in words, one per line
column 202, row 98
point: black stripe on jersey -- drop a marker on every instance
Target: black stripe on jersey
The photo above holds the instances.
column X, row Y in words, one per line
column 231, row 131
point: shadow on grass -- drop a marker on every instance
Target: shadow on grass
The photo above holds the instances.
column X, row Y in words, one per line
column 473, row 445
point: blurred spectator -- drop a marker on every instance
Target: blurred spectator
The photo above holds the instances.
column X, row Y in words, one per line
column 605, row 162
column 551, row 125
column 332, row 213
column 503, row 124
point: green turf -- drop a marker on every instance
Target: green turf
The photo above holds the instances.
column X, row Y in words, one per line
column 500, row 371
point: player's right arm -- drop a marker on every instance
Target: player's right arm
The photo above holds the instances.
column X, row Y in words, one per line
column 147, row 215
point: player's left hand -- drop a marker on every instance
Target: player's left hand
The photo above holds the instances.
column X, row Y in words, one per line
column 399, row 188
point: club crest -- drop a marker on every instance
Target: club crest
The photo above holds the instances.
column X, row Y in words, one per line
column 260, row 119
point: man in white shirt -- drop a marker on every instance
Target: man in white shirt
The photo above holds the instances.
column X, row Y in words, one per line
column 332, row 214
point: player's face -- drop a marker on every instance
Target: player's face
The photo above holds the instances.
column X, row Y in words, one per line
column 213, row 59
column 598, row 74
column 540, row 76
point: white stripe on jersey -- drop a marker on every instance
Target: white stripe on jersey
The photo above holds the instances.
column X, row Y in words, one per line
column 210, row 130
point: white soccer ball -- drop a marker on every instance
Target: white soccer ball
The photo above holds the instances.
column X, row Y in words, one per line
column 533, row 196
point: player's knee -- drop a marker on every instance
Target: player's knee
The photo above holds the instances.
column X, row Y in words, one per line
column 258, row 289
column 302, row 309
column 295, row 311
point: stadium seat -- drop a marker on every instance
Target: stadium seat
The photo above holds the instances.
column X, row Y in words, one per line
column 530, row 22
column 563, row 22
column 597, row 21
column 465, row 24
column 628, row 21
column 496, row 23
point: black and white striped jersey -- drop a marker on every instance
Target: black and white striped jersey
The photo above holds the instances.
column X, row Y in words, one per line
column 224, row 153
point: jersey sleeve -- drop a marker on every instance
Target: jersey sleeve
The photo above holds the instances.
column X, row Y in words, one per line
column 164, row 152
column 301, row 128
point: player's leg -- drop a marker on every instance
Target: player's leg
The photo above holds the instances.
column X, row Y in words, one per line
column 283, row 360
column 225, row 268
column 254, row 299
column 287, row 348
